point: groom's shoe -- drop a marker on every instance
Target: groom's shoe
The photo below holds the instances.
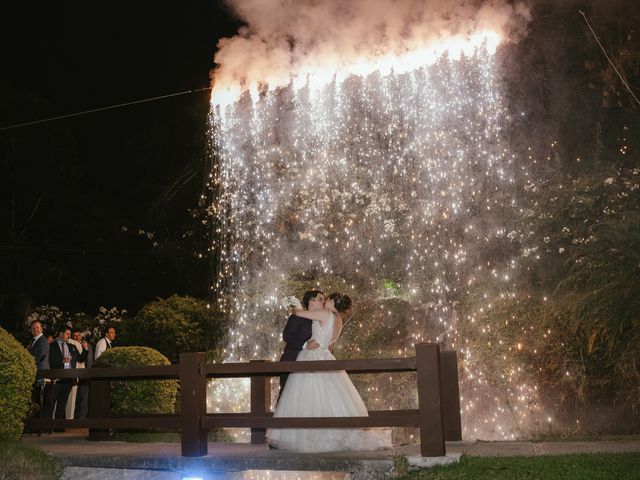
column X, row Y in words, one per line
column 272, row 447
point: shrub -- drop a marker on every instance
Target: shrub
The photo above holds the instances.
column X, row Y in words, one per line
column 139, row 396
column 177, row 325
column 17, row 373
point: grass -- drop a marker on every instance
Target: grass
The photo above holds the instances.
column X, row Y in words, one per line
column 606, row 466
column 22, row 462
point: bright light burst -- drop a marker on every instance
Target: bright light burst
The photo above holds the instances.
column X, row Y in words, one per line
column 314, row 73
column 396, row 174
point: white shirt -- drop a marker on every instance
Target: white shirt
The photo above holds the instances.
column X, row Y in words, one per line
column 78, row 345
column 35, row 339
column 101, row 346
column 66, row 352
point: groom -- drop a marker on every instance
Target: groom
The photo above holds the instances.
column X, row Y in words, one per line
column 297, row 331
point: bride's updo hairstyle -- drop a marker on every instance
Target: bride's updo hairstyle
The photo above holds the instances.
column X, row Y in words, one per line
column 340, row 301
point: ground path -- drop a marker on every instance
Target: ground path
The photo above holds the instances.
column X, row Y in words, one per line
column 162, row 461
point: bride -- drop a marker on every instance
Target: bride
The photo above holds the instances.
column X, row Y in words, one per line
column 324, row 394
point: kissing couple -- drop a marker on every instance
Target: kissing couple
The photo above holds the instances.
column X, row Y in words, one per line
column 309, row 334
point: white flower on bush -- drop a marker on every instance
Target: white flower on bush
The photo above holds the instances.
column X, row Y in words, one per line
column 49, row 316
column 291, row 302
column 33, row 316
column 111, row 315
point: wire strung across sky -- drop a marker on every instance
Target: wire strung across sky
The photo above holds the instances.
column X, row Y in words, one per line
column 110, row 107
column 624, row 82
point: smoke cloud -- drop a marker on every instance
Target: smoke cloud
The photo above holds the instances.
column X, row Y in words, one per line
column 286, row 41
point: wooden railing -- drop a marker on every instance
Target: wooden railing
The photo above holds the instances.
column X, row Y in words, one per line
column 437, row 415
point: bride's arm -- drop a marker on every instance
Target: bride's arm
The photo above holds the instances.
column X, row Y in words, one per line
column 337, row 329
column 319, row 315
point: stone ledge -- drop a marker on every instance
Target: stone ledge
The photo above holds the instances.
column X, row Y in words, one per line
column 426, row 462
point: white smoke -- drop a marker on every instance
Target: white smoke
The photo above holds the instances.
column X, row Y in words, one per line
column 288, row 41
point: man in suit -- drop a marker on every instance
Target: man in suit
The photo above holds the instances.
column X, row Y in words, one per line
column 297, row 331
column 39, row 348
column 63, row 354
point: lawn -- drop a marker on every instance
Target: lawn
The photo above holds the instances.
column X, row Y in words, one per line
column 22, row 462
column 606, row 466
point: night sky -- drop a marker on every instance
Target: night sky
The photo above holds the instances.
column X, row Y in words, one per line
column 95, row 209
column 69, row 187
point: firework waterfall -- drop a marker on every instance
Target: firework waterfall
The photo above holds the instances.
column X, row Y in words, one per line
column 359, row 148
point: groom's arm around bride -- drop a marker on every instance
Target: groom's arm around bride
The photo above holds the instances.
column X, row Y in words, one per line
column 297, row 331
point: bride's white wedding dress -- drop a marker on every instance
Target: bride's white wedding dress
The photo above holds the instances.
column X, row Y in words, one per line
column 324, row 394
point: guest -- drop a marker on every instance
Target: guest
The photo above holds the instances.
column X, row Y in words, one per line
column 105, row 342
column 82, row 397
column 63, row 355
column 75, row 339
column 39, row 348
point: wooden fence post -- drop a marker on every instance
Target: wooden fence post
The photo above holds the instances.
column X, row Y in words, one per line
column 193, row 404
column 260, row 403
column 451, row 396
column 430, row 400
column 99, row 406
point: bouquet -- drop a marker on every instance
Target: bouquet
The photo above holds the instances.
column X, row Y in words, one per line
column 291, row 302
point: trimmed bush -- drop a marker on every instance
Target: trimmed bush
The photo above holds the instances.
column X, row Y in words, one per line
column 139, row 396
column 177, row 325
column 17, row 374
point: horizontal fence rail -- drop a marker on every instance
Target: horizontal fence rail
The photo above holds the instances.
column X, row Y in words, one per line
column 156, row 372
column 374, row 365
column 407, row 418
column 437, row 415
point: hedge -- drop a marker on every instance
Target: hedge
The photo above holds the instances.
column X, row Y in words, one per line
column 17, row 374
column 139, row 396
column 177, row 325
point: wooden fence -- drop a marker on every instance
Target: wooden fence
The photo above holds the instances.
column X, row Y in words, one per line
column 437, row 415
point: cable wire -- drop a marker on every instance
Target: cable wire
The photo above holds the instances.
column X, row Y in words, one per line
column 608, row 58
column 119, row 105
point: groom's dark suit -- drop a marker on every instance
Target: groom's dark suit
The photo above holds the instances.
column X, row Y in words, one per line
column 296, row 332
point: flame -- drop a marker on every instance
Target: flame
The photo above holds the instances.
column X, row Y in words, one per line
column 318, row 75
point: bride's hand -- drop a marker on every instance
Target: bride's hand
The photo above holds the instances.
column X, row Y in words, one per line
column 312, row 345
